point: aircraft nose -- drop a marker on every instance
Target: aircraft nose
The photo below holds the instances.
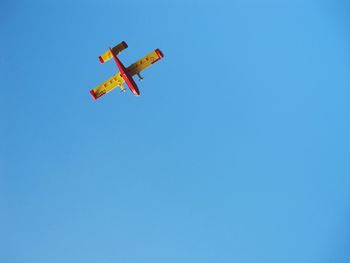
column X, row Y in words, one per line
column 136, row 91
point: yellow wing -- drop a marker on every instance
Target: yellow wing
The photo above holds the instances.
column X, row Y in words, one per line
column 107, row 86
column 145, row 62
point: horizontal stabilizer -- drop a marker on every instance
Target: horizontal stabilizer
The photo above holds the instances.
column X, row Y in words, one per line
column 117, row 49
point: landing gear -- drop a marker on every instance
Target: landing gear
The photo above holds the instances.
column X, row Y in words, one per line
column 122, row 88
column 140, row 77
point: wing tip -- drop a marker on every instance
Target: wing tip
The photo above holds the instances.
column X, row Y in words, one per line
column 93, row 95
column 159, row 53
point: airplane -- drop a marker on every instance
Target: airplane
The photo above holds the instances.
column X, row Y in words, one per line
column 125, row 74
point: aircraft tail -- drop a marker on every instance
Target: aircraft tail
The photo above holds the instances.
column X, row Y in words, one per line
column 117, row 49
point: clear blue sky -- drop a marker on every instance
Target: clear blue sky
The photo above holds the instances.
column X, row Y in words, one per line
column 237, row 150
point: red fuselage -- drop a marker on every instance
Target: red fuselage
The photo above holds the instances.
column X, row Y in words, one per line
column 126, row 76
